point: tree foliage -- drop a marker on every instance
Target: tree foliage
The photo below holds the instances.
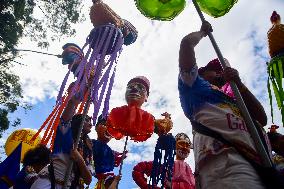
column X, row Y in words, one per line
column 53, row 19
column 10, row 95
column 40, row 20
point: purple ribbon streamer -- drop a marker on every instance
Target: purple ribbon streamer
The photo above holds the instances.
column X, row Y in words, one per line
column 98, row 73
column 116, row 54
column 59, row 96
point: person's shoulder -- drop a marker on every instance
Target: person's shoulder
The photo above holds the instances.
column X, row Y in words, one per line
column 98, row 143
column 94, row 141
column 64, row 126
column 65, row 122
column 21, row 174
column 192, row 84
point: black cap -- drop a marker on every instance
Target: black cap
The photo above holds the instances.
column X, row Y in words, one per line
column 101, row 119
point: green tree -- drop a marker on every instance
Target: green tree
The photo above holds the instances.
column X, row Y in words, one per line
column 43, row 21
column 10, row 95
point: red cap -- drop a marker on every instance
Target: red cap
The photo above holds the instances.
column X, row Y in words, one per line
column 141, row 79
column 213, row 65
column 274, row 17
column 273, row 128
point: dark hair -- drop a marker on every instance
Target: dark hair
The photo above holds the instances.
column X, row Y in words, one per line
column 38, row 155
column 274, row 17
column 101, row 120
column 75, row 123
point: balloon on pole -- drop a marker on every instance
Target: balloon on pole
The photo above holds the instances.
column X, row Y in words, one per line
column 164, row 10
column 216, row 8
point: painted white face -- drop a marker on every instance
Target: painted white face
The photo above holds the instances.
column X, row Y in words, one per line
column 136, row 94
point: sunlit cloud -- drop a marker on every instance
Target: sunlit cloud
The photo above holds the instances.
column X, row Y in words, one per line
column 241, row 36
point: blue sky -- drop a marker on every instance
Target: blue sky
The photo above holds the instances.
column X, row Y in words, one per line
column 241, row 36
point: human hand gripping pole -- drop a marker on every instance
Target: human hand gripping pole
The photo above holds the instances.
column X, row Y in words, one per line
column 76, row 143
column 240, row 103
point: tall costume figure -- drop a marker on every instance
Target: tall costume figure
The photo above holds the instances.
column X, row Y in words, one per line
column 131, row 120
column 94, row 66
column 182, row 174
column 275, row 67
column 105, row 159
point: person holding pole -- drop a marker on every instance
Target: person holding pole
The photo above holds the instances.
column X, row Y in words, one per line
column 223, row 148
column 105, row 159
column 52, row 176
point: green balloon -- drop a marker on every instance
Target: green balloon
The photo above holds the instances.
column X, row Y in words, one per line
column 160, row 9
column 216, row 8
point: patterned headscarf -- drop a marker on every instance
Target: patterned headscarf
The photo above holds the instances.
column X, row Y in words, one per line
column 141, row 79
column 182, row 136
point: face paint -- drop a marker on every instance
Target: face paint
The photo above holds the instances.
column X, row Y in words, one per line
column 102, row 133
column 135, row 94
column 182, row 149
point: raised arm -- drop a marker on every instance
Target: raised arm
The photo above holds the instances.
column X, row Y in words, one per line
column 70, row 108
column 186, row 53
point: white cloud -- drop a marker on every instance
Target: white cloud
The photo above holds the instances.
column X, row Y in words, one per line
column 155, row 55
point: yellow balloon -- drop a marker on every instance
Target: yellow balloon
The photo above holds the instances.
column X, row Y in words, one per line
column 24, row 136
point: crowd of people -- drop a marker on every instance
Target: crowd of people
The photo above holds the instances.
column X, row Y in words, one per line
column 224, row 152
